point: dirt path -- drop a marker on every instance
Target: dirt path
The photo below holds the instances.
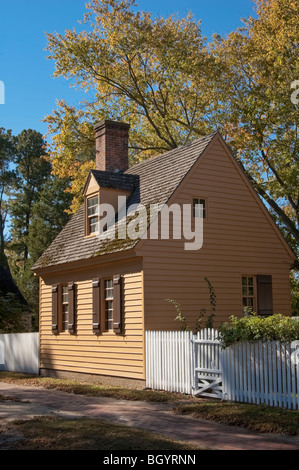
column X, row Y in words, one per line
column 20, row 402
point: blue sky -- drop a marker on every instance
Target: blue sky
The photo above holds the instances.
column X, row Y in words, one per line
column 30, row 90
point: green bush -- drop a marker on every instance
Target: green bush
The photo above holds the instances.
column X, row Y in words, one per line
column 254, row 328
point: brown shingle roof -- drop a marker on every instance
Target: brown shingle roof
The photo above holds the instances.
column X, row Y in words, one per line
column 158, row 179
column 114, row 180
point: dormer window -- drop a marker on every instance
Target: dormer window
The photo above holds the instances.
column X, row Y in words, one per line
column 199, row 208
column 93, row 215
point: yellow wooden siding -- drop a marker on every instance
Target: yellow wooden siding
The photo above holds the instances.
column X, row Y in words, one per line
column 238, row 239
column 85, row 352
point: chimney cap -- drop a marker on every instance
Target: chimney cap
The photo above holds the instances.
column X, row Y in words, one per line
column 112, row 124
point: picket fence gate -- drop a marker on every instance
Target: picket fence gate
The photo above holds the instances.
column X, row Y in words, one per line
column 206, row 365
column 259, row 372
column 179, row 361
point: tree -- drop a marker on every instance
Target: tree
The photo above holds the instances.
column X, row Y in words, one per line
column 258, row 65
column 37, row 208
column 32, row 172
column 12, row 312
column 139, row 69
column 7, row 176
column 160, row 76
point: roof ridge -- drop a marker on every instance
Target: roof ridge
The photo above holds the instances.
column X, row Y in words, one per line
column 187, row 144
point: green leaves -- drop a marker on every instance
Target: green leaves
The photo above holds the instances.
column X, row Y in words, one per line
column 259, row 63
column 254, row 328
column 151, row 72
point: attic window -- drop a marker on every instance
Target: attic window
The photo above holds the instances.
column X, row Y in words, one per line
column 197, row 205
column 93, row 214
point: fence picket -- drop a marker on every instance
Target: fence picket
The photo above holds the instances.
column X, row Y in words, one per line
column 260, row 372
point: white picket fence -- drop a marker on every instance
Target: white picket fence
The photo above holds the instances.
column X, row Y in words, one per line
column 260, row 372
column 19, row 352
column 206, row 366
column 169, row 361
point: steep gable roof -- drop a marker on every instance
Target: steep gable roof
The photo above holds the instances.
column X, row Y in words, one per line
column 158, row 179
column 122, row 181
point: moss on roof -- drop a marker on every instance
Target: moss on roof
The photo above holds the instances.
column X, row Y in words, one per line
column 151, row 182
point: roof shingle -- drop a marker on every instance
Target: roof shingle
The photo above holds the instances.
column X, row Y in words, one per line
column 151, row 182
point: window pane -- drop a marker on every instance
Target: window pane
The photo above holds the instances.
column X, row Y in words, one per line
column 92, row 201
column 93, row 210
column 92, row 213
column 199, row 207
column 93, row 224
column 65, row 308
column 108, row 296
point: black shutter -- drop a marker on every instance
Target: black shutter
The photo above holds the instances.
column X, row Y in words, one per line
column 264, row 295
column 117, row 305
column 55, row 308
column 96, row 301
column 72, row 298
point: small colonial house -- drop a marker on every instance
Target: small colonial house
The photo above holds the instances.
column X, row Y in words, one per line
column 106, row 278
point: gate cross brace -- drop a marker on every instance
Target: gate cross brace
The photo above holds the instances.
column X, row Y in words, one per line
column 207, row 386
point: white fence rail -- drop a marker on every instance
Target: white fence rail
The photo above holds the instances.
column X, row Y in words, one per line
column 169, row 361
column 19, row 352
column 261, row 372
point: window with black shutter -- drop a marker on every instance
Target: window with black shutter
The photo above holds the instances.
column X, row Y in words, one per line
column 96, row 301
column 64, row 308
column 72, row 307
column 55, row 308
column 257, row 294
column 264, row 295
column 117, row 305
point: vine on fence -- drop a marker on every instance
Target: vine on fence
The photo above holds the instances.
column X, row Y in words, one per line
column 198, row 323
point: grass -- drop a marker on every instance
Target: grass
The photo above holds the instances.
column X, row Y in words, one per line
column 259, row 418
column 95, row 390
column 47, row 433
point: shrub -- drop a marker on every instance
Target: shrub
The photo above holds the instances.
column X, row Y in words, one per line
column 254, row 328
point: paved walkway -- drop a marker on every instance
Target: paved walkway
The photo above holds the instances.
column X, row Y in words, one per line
column 27, row 402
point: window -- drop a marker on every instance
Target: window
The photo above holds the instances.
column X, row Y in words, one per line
column 92, row 215
column 108, row 300
column 257, row 294
column 248, row 300
column 108, row 314
column 64, row 308
column 197, row 203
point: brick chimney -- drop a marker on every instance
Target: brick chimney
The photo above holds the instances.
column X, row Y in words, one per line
column 112, row 146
